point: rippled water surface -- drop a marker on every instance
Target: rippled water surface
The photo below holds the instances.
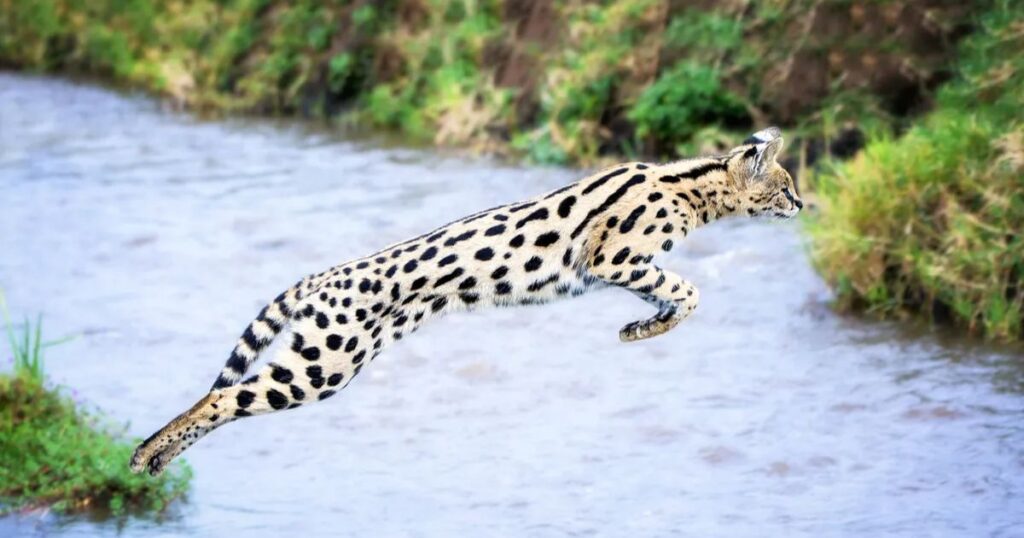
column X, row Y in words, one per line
column 156, row 236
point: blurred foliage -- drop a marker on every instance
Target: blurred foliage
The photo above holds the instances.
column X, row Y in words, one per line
column 54, row 454
column 683, row 101
column 555, row 81
column 930, row 222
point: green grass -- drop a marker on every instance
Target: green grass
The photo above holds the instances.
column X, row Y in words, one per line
column 618, row 79
column 55, row 454
column 929, row 223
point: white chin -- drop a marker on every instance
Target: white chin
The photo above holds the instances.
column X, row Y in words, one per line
column 781, row 214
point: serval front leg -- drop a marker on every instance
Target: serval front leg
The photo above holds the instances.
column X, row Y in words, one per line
column 674, row 297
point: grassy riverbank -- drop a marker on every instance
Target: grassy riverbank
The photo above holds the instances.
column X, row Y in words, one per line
column 563, row 81
column 54, row 454
column 930, row 222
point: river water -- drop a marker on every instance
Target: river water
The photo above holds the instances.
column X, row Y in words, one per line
column 155, row 236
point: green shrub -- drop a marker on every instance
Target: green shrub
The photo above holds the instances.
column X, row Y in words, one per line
column 930, row 222
column 682, row 101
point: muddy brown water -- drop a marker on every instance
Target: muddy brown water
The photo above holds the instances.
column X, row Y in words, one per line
column 155, row 236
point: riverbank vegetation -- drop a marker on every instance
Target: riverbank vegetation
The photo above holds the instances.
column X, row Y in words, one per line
column 54, row 454
column 930, row 222
column 563, row 81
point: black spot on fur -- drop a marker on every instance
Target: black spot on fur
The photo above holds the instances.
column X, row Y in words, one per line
column 533, row 264
column 297, row 393
column 449, row 259
column 630, row 221
column 521, row 207
column 245, row 398
column 438, row 304
column 602, row 180
column 517, row 241
column 333, row 342
column 540, row 214
column 654, row 197
column 325, row 394
column 502, row 288
column 469, row 298
column 297, row 342
column 467, row 284
column 418, row 283
column 314, row 372
column 612, row 198
column 499, row 272
column 351, row 345
column 428, row 254
column 621, row 256
column 334, row 380
column 461, row 237
column 695, row 172
column 539, row 284
column 565, row 206
column 409, row 266
column 449, row 277
column 495, row 230
column 546, row 239
column 281, row 374
column 236, row 363
column 321, row 320
column 484, row 254
column 311, row 353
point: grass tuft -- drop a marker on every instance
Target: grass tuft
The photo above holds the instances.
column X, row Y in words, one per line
column 55, row 454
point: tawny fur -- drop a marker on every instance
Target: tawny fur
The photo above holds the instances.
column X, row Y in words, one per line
column 603, row 230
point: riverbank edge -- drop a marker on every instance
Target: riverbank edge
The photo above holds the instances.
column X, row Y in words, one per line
column 57, row 455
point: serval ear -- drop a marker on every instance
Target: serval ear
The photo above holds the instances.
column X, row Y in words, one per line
column 765, row 146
